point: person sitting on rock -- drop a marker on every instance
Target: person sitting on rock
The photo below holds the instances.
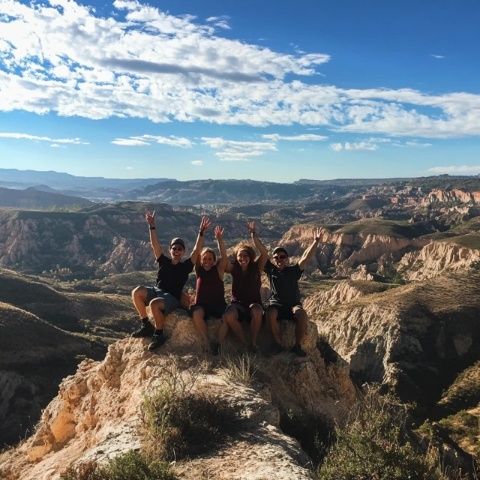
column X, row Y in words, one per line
column 209, row 290
column 284, row 301
column 171, row 278
column 246, row 282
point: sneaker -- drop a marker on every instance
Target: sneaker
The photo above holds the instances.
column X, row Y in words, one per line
column 253, row 349
column 297, row 350
column 276, row 348
column 157, row 342
column 215, row 348
column 146, row 330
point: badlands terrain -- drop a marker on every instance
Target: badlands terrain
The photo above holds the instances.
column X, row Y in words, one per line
column 393, row 297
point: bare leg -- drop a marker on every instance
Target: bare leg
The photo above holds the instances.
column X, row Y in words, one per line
column 222, row 331
column 256, row 313
column 230, row 318
column 300, row 317
column 272, row 321
column 139, row 296
column 157, row 306
column 198, row 317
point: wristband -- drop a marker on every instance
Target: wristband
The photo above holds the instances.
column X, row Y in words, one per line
column 152, row 228
column 200, row 232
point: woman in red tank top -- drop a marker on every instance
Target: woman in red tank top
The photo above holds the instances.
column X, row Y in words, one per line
column 246, row 282
column 209, row 291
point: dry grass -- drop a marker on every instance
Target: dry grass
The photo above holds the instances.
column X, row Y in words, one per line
column 240, row 368
column 179, row 421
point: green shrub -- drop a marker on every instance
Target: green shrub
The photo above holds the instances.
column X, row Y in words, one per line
column 374, row 444
column 129, row 466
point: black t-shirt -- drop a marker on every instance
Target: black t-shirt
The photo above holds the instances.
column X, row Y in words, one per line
column 284, row 284
column 172, row 278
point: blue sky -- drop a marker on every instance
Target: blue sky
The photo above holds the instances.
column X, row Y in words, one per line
column 269, row 90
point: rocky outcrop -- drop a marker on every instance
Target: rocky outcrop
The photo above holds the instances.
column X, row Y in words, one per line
column 34, row 357
column 415, row 338
column 343, row 292
column 435, row 259
column 97, row 412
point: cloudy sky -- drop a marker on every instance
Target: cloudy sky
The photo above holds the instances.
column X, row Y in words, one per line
column 263, row 89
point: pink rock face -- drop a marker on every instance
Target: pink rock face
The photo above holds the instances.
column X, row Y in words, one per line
column 455, row 195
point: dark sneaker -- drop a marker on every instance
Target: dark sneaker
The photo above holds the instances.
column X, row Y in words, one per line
column 276, row 348
column 215, row 348
column 157, row 342
column 146, row 330
column 297, row 350
column 253, row 349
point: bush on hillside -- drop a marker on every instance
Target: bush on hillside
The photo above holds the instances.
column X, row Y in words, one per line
column 129, row 466
column 374, row 444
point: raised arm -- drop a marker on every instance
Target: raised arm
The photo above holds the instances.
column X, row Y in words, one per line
column 223, row 260
column 204, row 224
column 262, row 259
column 308, row 253
column 154, row 242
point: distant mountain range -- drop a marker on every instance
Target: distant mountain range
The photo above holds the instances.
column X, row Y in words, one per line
column 210, row 192
column 39, row 198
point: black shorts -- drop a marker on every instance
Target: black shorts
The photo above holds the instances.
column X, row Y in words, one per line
column 243, row 311
column 210, row 311
column 284, row 312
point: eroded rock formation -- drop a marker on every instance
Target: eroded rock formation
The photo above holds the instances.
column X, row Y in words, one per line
column 415, row 338
column 435, row 259
column 97, row 412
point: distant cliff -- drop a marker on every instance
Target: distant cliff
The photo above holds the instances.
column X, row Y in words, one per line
column 370, row 241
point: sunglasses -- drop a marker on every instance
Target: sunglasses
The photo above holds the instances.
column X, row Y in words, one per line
column 176, row 248
column 280, row 257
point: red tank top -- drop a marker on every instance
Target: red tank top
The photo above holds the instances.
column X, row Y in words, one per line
column 209, row 290
column 246, row 285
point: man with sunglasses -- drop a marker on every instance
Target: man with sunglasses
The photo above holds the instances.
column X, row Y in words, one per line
column 172, row 275
column 284, row 301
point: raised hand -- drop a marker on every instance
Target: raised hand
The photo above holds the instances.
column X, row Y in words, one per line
column 150, row 217
column 204, row 224
column 218, row 232
column 251, row 227
column 317, row 234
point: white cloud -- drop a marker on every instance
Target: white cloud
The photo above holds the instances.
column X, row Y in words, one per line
column 353, row 146
column 197, row 163
column 438, row 57
column 237, row 151
column 456, row 170
column 220, row 22
column 36, row 138
column 307, row 137
column 145, row 140
column 129, row 142
column 149, row 64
